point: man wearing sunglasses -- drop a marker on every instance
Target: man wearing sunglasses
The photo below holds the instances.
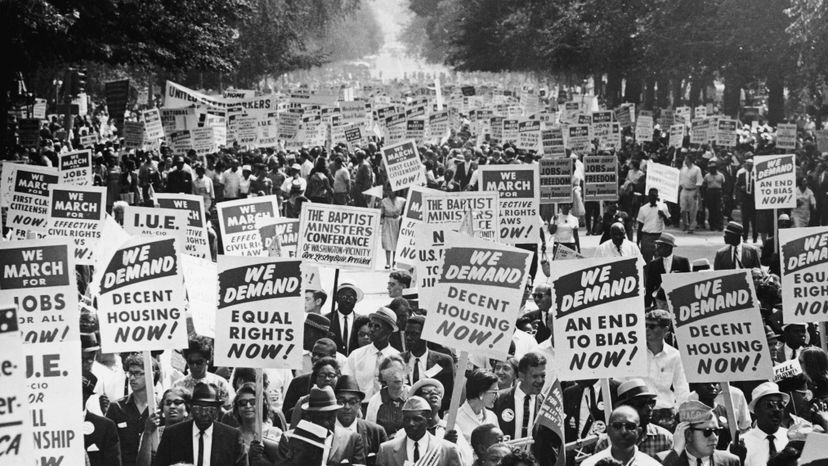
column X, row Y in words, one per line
column 768, row 437
column 624, row 429
column 652, row 439
column 694, row 442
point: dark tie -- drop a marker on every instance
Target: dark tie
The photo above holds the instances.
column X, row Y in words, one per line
column 737, row 261
column 698, row 462
column 416, row 376
column 200, row 461
column 771, row 446
column 416, row 451
column 793, row 354
column 524, row 430
column 345, row 334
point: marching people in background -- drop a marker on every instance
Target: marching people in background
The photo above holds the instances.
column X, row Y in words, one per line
column 391, row 210
column 736, row 254
column 652, row 219
column 664, row 262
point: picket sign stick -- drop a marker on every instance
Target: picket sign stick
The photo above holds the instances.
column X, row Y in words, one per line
column 333, row 295
column 605, row 387
column 150, row 384
column 731, row 416
column 459, row 383
column 776, row 242
column 259, row 403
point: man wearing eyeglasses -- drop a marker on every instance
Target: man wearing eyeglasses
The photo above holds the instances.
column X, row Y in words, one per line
column 768, row 437
column 348, row 418
column 624, row 429
column 695, row 439
column 198, row 355
column 130, row 413
column 665, row 373
column 653, row 439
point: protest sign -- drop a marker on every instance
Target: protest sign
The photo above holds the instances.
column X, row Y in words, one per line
column 28, row 132
column 815, row 450
column 117, row 96
column 476, row 300
column 676, row 136
column 177, row 96
column 665, row 179
column 29, row 205
column 598, row 306
column 699, row 133
column 260, row 317
column 719, row 330
column 518, row 187
column 786, row 136
column 76, row 213
column 803, row 264
column 287, row 229
column 414, row 129
column 412, row 215
column 564, row 253
column 237, row 222
column 75, row 168
column 141, row 304
column 785, row 370
column 196, row 242
column 726, row 132
column 15, row 426
column 551, row 414
column 600, row 178
column 553, row 143
column 88, row 140
column 511, row 130
column 450, row 209
column 644, row 128
column 430, row 246
column 529, row 134
column 625, row 114
column 339, row 236
column 555, row 180
column 157, row 223
column 402, row 164
column 578, row 139
column 202, row 289
column 775, row 177
column 133, row 132
column 153, row 128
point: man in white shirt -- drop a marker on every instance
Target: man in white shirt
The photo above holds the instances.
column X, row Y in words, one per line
column 768, row 437
column 624, row 430
column 417, row 441
column 690, row 181
column 652, row 218
column 517, row 407
column 363, row 363
column 231, row 180
column 665, row 373
column 618, row 245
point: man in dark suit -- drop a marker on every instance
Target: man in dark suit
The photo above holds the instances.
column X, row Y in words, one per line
column 421, row 360
column 543, row 299
column 517, row 407
column 694, row 441
column 735, row 254
column 663, row 262
column 343, row 332
column 301, row 385
column 794, row 339
column 583, row 405
column 745, row 187
column 418, row 442
column 350, row 399
column 820, row 189
column 202, row 441
column 103, row 447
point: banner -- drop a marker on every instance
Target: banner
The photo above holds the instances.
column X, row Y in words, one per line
column 551, row 415
column 260, row 317
column 598, row 306
column 177, row 96
column 555, row 180
column 412, row 216
column 600, row 178
column 563, row 253
column 518, row 188
column 287, row 229
column 775, row 181
column 29, row 206
column 153, row 222
column 141, row 303
column 77, row 214
column 237, row 222
column 117, row 97
column 75, row 168
column 476, row 301
column 665, row 179
column 202, row 289
column 726, row 132
column 718, row 326
column 786, row 136
column 196, row 242
column 402, row 164
column 339, row 236
column 450, row 208
column 803, row 262
column 15, row 425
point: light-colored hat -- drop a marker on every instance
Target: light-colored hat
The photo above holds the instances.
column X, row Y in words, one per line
column 667, row 238
column 765, row 389
column 387, row 316
column 416, row 403
column 633, row 388
column 359, row 293
column 694, row 412
column 425, row 383
column 246, row 168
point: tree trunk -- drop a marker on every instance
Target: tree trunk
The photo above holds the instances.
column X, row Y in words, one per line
column 696, row 87
column 613, row 94
column 776, row 99
column 732, row 93
column 663, row 93
column 678, row 94
column 632, row 89
column 649, row 94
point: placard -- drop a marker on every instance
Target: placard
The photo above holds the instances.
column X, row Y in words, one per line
column 699, row 133
column 287, row 229
column 476, row 301
column 786, row 136
column 133, row 132
column 518, row 188
column 77, row 215
column 412, row 216
column 450, row 209
column 157, row 223
column 555, row 180
column 529, row 133
column 15, row 418
column 237, row 223
column 202, row 289
column 598, row 305
column 665, row 179
column 75, row 168
column 197, row 242
column 803, row 264
column 644, row 129
column 141, row 303
column 29, row 206
column 600, row 178
column 718, row 326
column 552, row 142
column 578, row 138
column 260, row 318
column 153, row 129
column 430, row 246
column 676, row 138
column 726, row 132
column 775, row 177
column 402, row 164
column 339, row 236
column 117, row 96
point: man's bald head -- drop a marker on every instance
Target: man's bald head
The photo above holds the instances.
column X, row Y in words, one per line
column 624, row 413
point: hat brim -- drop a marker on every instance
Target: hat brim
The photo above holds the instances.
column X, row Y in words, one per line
column 348, row 390
column 348, row 286
column 658, row 241
column 307, row 408
column 785, row 399
column 384, row 318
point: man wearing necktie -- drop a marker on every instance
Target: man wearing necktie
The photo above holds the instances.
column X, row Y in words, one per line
column 745, row 185
column 417, row 442
column 768, row 437
column 794, row 340
column 694, row 442
column 735, row 254
column 517, row 407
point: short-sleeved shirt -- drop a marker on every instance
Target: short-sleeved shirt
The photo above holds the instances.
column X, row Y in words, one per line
column 650, row 219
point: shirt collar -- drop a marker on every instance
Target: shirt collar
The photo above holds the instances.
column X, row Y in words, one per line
column 207, row 432
column 691, row 459
column 352, row 427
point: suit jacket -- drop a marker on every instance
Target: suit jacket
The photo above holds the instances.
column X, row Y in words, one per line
column 724, row 258
column 336, row 332
column 102, row 445
column 298, row 387
column 373, row 435
column 506, row 400
column 345, row 446
column 177, row 446
column 543, row 332
column 720, row 458
column 742, row 196
column 652, row 275
column 572, row 397
column 446, row 374
column 393, row 452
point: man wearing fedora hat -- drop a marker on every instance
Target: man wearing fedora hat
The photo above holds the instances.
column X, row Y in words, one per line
column 768, row 437
column 347, row 295
column 363, row 363
column 653, row 439
column 349, row 417
column 793, row 340
column 695, row 438
column 735, row 254
column 664, row 262
column 202, row 441
column 417, row 442
column 316, row 433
